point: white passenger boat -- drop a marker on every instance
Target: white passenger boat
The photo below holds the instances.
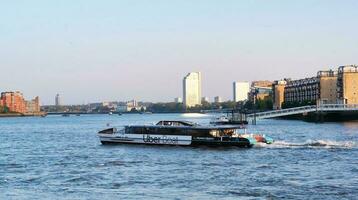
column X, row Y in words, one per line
column 177, row 133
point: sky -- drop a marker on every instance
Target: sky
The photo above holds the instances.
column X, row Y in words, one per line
column 118, row 50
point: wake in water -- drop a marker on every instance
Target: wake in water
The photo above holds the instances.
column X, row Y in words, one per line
column 312, row 144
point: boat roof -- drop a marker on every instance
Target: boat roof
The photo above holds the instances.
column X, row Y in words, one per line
column 186, row 125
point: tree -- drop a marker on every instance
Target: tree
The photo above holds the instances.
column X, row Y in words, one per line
column 4, row 109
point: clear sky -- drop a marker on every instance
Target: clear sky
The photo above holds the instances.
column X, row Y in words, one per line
column 91, row 51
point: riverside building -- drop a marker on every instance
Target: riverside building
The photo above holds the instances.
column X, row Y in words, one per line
column 347, row 84
column 192, row 89
column 15, row 102
column 328, row 87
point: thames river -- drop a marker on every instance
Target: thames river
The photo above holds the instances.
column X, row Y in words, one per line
column 61, row 158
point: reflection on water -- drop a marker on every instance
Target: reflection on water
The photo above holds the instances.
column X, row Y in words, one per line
column 351, row 124
column 194, row 115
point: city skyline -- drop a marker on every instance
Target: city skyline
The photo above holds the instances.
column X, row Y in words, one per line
column 122, row 50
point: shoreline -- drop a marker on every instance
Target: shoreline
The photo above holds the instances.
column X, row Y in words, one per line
column 3, row 115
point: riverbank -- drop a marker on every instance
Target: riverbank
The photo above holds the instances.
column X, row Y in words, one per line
column 22, row 114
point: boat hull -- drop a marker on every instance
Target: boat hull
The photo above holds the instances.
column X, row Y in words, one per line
column 146, row 139
column 175, row 140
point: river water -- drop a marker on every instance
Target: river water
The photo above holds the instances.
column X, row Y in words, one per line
column 61, row 158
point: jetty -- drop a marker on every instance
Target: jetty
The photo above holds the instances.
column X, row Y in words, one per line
column 319, row 111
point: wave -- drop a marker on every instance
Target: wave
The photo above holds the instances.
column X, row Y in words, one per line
column 312, row 144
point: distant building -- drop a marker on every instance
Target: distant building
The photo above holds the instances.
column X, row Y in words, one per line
column 260, row 84
column 241, row 91
column 33, row 106
column 105, row 103
column 347, row 84
column 58, row 101
column 130, row 106
column 217, row 99
column 110, row 105
column 178, row 100
column 205, row 99
column 192, row 89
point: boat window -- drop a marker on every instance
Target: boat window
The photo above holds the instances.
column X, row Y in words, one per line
column 137, row 130
column 174, row 123
column 150, row 130
column 227, row 132
column 187, row 123
column 134, row 130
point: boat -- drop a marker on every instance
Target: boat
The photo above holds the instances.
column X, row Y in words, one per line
column 177, row 133
column 65, row 115
column 110, row 113
column 220, row 120
column 223, row 120
column 119, row 114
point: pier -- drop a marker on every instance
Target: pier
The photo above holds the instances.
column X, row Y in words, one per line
column 320, row 110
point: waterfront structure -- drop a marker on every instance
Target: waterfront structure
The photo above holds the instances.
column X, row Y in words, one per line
column 218, row 99
column 178, row 100
column 278, row 88
column 192, row 89
column 240, row 91
column 347, row 84
column 58, row 101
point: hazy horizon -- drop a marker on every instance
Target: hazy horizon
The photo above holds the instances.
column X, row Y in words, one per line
column 92, row 51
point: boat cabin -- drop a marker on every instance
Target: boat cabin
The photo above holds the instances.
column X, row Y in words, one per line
column 183, row 128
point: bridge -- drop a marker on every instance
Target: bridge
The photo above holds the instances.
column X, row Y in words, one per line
column 302, row 110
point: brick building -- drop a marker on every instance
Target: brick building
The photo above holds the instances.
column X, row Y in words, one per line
column 15, row 102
